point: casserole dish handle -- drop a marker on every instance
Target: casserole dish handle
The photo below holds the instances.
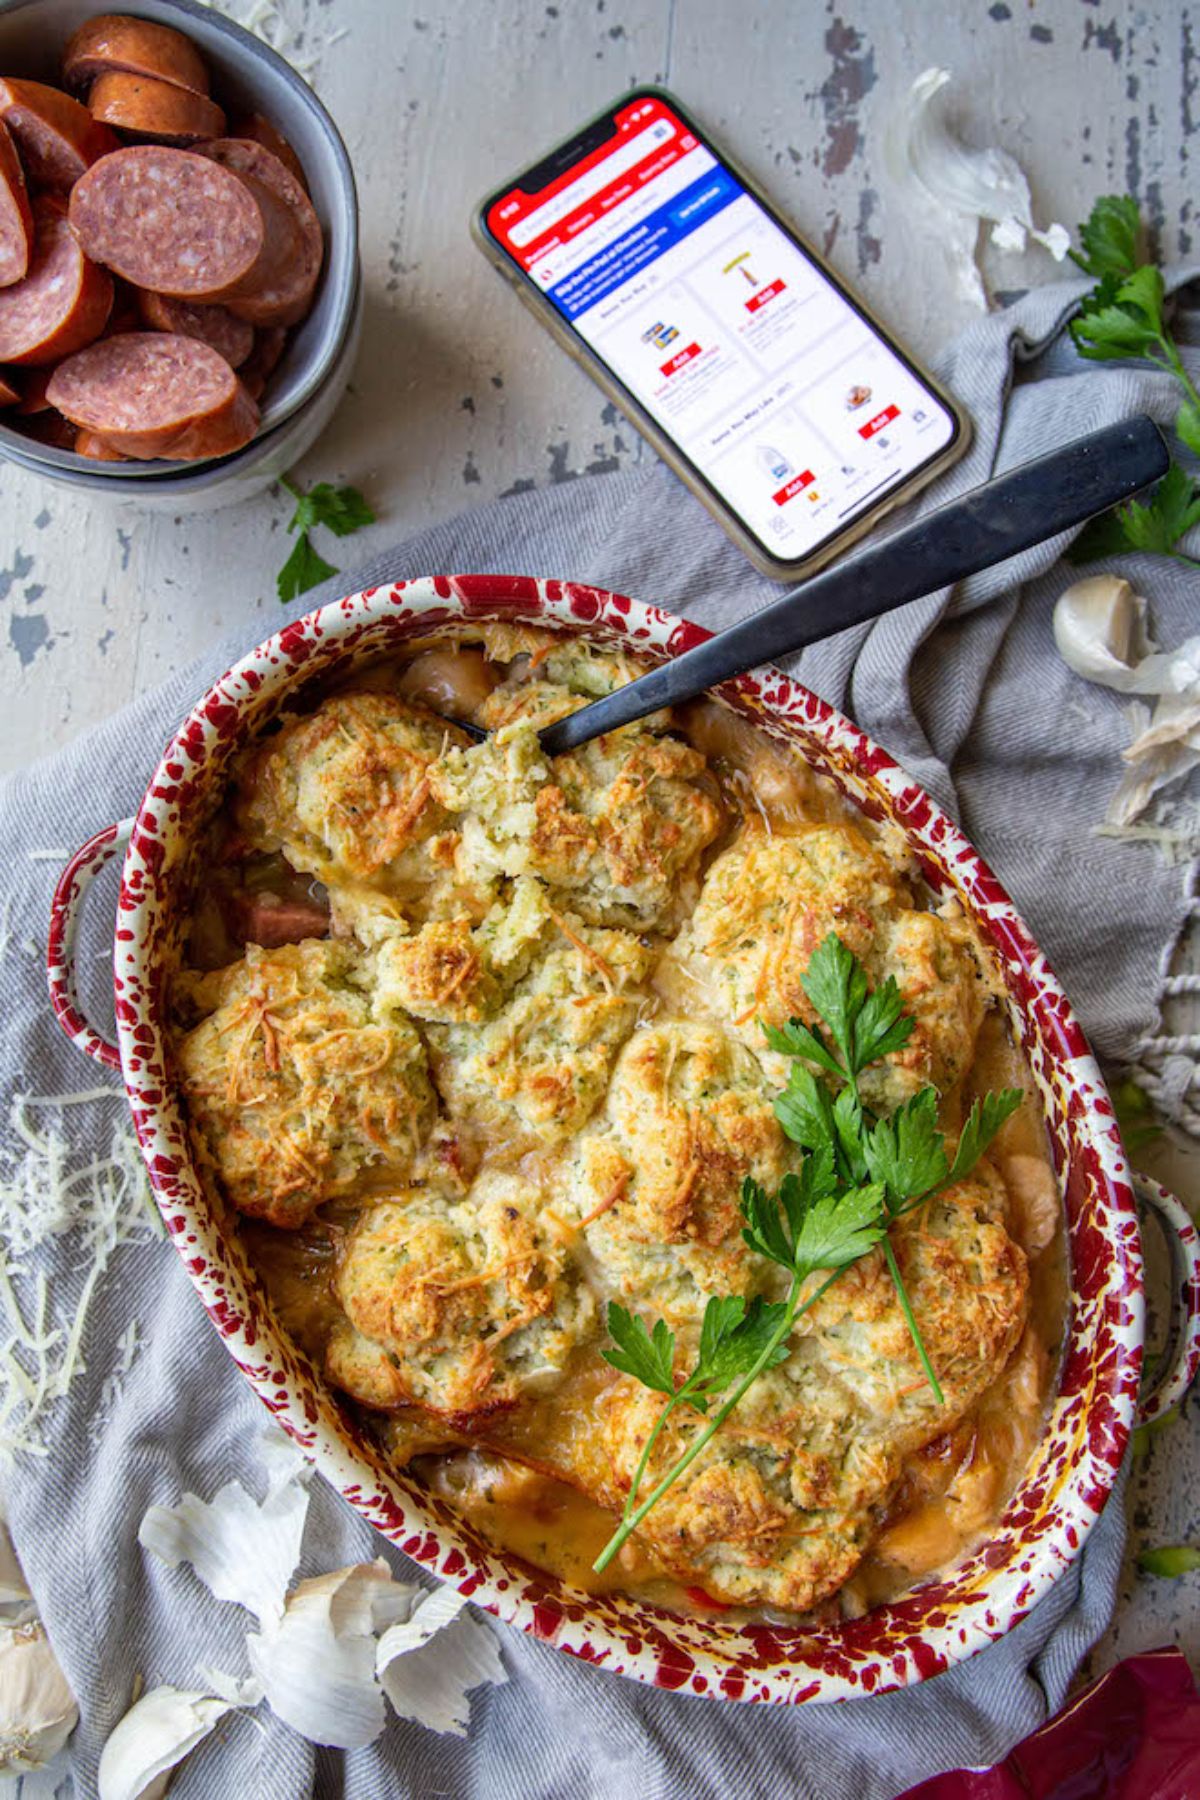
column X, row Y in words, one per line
column 1181, row 1357
column 65, row 911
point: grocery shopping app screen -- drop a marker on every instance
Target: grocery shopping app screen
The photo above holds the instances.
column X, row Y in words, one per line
column 767, row 378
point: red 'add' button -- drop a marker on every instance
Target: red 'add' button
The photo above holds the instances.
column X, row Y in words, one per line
column 879, row 421
column 680, row 360
column 764, row 294
column 795, row 486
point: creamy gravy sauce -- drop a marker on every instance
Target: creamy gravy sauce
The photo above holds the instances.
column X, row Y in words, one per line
column 952, row 1492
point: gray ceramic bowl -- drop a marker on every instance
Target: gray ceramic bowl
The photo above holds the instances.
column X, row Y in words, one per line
column 304, row 390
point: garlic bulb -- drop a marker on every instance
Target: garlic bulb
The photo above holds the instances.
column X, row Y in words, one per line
column 37, row 1708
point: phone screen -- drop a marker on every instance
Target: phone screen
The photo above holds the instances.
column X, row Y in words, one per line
column 780, row 393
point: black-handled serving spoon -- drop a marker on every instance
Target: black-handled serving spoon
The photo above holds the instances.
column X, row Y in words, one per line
column 982, row 527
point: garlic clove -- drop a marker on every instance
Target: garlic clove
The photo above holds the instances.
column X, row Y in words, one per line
column 37, row 1708
column 153, row 1738
column 1098, row 627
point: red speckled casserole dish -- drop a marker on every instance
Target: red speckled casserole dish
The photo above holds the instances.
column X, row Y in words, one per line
column 1066, row 1486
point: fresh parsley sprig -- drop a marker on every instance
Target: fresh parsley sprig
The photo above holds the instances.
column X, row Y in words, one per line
column 736, row 1340
column 858, row 1176
column 342, row 510
column 1125, row 316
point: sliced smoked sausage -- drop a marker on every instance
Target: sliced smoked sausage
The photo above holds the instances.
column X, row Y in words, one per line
column 156, row 393
column 259, row 129
column 9, row 395
column 89, row 445
column 57, row 138
column 285, row 290
column 258, row 367
column 16, row 217
column 142, row 107
column 64, row 301
column 170, row 221
column 113, row 41
column 230, row 337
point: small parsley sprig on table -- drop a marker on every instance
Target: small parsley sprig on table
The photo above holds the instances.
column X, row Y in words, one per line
column 859, row 1174
column 1125, row 316
column 342, row 510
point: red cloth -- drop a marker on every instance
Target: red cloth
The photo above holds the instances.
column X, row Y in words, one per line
column 1132, row 1735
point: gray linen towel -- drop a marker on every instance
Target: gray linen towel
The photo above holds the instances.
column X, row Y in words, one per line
column 966, row 690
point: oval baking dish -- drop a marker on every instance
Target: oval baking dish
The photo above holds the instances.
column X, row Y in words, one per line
column 1066, row 1485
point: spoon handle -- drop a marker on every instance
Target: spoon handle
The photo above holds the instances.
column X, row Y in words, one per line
column 981, row 527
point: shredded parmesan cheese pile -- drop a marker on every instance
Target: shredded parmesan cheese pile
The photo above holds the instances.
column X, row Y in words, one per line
column 280, row 24
column 51, row 1186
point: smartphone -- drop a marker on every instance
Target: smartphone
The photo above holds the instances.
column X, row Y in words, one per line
column 727, row 340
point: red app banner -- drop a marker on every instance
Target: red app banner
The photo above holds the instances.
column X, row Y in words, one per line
column 765, row 294
column 795, row 486
column 879, row 421
column 680, row 360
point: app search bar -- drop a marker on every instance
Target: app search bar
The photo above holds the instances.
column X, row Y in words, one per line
column 632, row 153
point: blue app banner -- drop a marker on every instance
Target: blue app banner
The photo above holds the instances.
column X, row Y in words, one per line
column 614, row 265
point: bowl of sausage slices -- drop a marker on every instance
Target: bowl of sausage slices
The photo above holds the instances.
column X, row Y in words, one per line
column 179, row 285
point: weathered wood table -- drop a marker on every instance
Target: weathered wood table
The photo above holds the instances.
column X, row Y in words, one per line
column 461, row 397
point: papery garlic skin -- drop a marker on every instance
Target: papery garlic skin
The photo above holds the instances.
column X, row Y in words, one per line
column 152, row 1739
column 965, row 186
column 1100, row 631
column 38, row 1712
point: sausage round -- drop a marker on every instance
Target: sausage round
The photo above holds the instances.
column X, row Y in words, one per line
column 230, row 337
column 156, row 393
column 142, row 107
column 113, row 41
column 88, row 444
column 171, row 221
column 260, row 364
column 286, row 280
column 9, row 395
column 259, row 129
column 16, row 216
column 58, row 139
column 64, row 301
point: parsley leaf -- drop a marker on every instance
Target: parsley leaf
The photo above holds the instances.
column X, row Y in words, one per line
column 303, row 569
column 805, row 1111
column 1110, row 238
column 1169, row 1559
column 983, row 1122
column 1170, row 513
column 795, row 1039
column 341, row 510
column 1135, row 1116
column 1187, row 425
column 732, row 1338
column 907, row 1153
column 836, row 983
column 807, row 1225
column 648, row 1357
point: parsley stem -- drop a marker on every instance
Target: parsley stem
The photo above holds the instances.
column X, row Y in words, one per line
column 910, row 1320
column 648, row 1447
column 629, row 1525
column 290, row 486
